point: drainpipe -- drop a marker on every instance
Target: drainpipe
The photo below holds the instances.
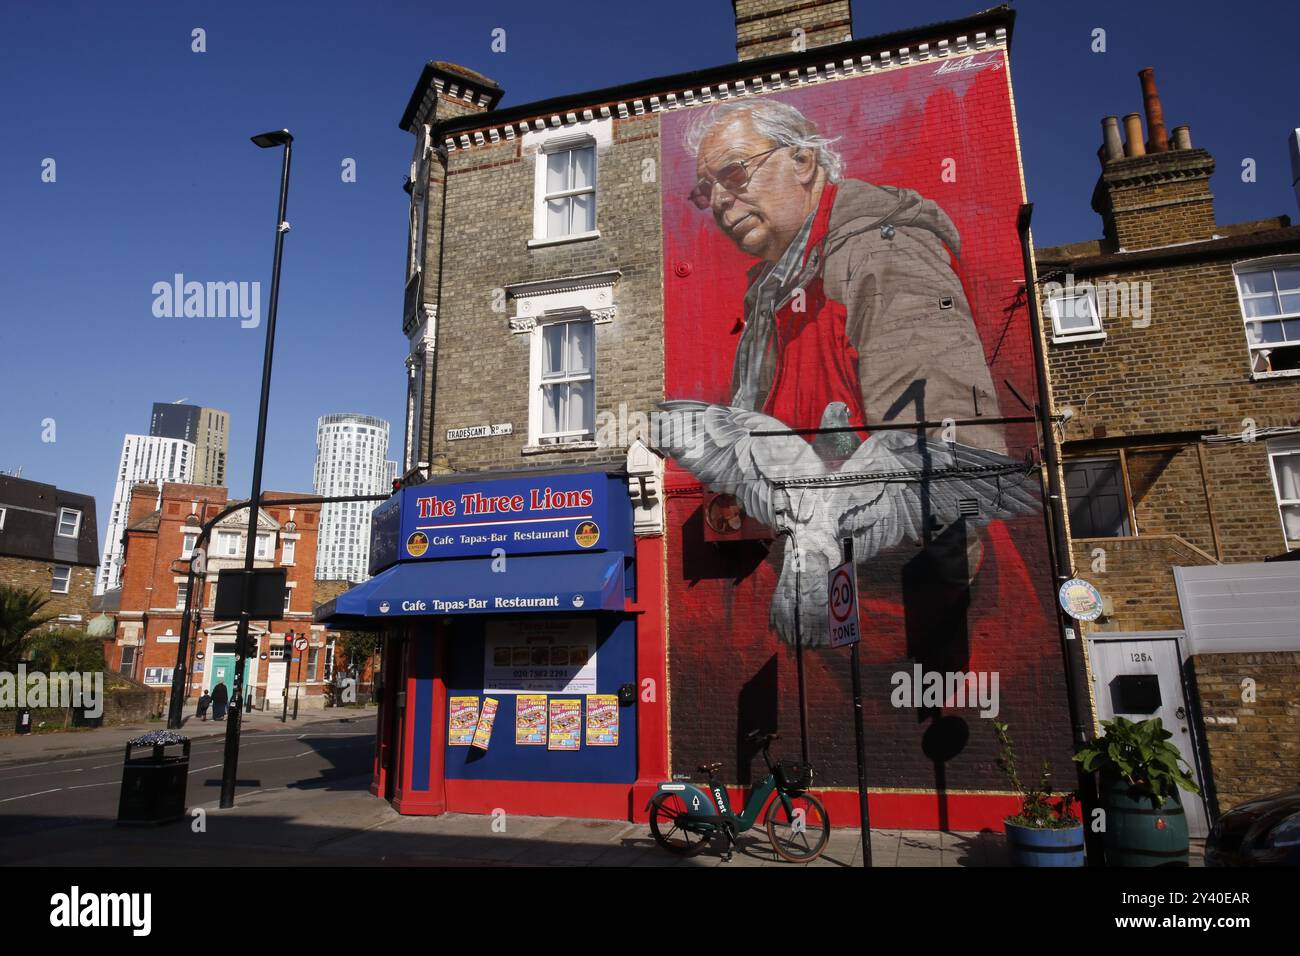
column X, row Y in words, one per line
column 1076, row 671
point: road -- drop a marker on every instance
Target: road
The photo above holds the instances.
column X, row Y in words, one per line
column 51, row 793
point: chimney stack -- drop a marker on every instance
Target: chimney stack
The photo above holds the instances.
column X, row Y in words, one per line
column 1133, row 136
column 773, row 27
column 1111, row 145
column 1159, row 139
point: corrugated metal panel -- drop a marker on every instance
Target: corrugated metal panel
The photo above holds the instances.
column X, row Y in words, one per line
column 1240, row 608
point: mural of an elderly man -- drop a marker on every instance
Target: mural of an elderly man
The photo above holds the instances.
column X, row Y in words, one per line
column 855, row 298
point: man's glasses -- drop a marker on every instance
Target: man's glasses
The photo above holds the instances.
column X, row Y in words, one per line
column 733, row 177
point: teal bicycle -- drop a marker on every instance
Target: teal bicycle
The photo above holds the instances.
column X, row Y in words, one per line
column 685, row 820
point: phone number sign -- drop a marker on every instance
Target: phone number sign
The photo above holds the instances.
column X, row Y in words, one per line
column 842, row 605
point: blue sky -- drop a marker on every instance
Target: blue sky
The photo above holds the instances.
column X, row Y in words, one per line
column 156, row 176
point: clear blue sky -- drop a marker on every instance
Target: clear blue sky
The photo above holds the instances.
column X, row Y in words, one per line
column 155, row 175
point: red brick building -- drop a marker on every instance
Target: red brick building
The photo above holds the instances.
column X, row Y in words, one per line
column 163, row 529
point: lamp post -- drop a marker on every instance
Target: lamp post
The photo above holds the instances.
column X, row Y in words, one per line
column 230, row 766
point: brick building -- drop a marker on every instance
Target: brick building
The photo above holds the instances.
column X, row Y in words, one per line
column 784, row 251
column 1175, row 353
column 49, row 543
column 162, row 533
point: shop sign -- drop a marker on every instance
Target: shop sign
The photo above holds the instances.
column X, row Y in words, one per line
column 531, row 655
column 491, row 517
column 1080, row 600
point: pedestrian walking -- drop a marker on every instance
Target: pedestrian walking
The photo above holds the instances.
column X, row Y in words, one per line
column 220, row 697
column 205, row 701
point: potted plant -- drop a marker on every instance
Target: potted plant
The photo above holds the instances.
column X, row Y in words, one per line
column 1141, row 773
column 1045, row 832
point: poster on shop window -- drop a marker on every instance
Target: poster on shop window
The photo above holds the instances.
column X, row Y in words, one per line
column 462, row 721
column 602, row 720
column 566, row 724
column 486, row 718
column 530, row 720
column 540, row 655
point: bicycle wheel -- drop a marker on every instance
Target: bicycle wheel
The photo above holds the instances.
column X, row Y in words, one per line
column 800, row 836
column 666, row 813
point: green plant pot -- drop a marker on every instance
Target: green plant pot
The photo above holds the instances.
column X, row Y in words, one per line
column 1140, row 834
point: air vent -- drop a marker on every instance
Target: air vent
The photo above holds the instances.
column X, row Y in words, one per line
column 968, row 507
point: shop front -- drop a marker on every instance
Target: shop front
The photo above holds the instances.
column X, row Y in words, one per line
column 523, row 645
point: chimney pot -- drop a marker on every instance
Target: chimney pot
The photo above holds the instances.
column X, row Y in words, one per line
column 1155, row 113
column 1112, row 147
column 1182, row 137
column 1133, row 136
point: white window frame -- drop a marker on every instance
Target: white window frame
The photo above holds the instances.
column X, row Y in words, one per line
column 3, row 512
column 287, row 548
column 1094, row 331
column 538, row 384
column 288, row 599
column 54, row 579
column 1283, row 448
column 188, row 540
column 182, row 594
column 76, row 523
column 224, row 539
column 1253, row 350
column 267, row 553
column 596, row 133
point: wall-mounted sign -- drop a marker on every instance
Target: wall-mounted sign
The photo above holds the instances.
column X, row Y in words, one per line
column 462, row 721
column 566, row 724
column 530, row 719
column 602, row 720
column 486, row 718
column 540, row 654
column 1080, row 600
column 584, row 511
column 842, row 605
column 481, row 431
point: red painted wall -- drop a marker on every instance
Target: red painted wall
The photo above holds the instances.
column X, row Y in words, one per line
column 946, row 134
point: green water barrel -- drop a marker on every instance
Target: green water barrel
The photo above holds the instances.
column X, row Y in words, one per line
column 1139, row 834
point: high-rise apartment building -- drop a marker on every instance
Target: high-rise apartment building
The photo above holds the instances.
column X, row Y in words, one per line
column 208, row 428
column 351, row 459
column 145, row 458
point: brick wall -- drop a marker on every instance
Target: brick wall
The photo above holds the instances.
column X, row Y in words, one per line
column 31, row 575
column 1254, row 743
column 482, row 367
column 766, row 27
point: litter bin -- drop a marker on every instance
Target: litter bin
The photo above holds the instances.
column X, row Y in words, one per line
column 81, row 719
column 24, row 724
column 154, row 776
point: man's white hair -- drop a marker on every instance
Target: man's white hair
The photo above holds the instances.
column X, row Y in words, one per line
column 779, row 122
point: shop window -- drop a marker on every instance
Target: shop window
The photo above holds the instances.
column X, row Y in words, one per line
column 1269, row 292
column 61, row 579
column 1284, row 459
column 1074, row 315
column 1098, row 504
column 564, row 381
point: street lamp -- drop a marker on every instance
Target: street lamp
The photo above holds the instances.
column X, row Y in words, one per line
column 230, row 767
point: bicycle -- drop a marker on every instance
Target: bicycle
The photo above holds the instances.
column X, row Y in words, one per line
column 685, row 820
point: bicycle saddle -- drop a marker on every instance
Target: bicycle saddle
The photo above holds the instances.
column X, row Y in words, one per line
column 709, row 768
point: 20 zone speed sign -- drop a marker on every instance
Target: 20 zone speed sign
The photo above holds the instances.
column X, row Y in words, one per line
column 842, row 605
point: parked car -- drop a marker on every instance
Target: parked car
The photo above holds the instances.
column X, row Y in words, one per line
column 1263, row 832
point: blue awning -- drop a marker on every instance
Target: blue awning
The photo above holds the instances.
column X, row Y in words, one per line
column 554, row 583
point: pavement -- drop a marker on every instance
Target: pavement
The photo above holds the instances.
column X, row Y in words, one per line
column 304, row 799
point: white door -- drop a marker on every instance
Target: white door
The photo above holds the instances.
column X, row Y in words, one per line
column 1115, row 661
column 275, row 685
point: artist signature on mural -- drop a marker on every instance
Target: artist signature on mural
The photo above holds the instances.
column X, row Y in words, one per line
column 968, row 64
